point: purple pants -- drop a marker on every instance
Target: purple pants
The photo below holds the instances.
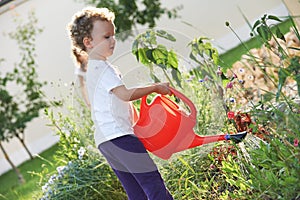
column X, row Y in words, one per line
column 135, row 169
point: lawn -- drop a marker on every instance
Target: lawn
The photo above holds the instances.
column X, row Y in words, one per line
column 10, row 188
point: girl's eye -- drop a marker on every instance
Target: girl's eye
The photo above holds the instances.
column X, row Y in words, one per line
column 106, row 37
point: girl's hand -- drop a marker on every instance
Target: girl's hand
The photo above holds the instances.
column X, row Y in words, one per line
column 163, row 88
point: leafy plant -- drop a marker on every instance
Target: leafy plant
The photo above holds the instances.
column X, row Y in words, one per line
column 22, row 105
column 238, row 176
column 273, row 168
column 82, row 173
column 151, row 54
column 291, row 64
column 276, row 172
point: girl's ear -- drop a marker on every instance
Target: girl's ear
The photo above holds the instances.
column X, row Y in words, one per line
column 87, row 42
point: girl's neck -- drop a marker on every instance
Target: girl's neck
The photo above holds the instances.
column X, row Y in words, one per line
column 98, row 57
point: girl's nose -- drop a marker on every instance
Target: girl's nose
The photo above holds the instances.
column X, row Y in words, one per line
column 113, row 39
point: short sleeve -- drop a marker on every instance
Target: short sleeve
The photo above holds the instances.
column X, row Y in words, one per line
column 111, row 79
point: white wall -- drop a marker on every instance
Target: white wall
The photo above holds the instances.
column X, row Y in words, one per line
column 207, row 19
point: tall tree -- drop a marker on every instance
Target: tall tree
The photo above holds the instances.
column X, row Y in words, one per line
column 21, row 97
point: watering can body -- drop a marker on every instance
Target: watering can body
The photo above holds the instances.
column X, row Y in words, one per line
column 164, row 128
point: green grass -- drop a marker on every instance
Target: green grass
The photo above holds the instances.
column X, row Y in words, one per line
column 11, row 189
column 231, row 56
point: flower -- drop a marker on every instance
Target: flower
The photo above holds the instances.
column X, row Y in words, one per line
column 81, row 153
column 52, row 179
column 230, row 115
column 219, row 71
column 231, row 100
column 296, row 142
column 70, row 163
column 229, row 85
column 76, row 140
column 61, row 169
column 45, row 187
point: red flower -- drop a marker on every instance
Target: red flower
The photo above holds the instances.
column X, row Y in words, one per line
column 296, row 142
column 229, row 85
column 230, row 115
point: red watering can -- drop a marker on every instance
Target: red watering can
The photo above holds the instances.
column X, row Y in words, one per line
column 164, row 128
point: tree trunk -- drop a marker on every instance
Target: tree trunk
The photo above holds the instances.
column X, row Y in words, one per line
column 20, row 176
column 24, row 145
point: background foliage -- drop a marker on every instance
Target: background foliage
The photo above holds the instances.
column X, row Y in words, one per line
column 130, row 14
column 21, row 96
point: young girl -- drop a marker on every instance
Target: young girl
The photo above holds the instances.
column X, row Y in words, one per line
column 81, row 59
column 92, row 30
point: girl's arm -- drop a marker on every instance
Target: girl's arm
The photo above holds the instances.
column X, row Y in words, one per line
column 84, row 91
column 135, row 93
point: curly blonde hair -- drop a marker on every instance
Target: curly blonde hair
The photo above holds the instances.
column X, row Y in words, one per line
column 82, row 22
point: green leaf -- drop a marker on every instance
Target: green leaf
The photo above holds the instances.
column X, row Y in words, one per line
column 176, row 76
column 194, row 58
column 135, row 47
column 225, row 82
column 160, row 53
column 172, row 59
column 294, row 67
column 164, row 34
column 142, row 57
column 297, row 79
column 215, row 56
column 149, row 55
column 258, row 22
column 262, row 30
column 274, row 18
column 279, row 34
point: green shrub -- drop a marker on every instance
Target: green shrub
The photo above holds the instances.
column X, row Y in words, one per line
column 82, row 173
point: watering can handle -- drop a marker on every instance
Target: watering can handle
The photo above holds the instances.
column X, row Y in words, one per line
column 181, row 96
column 186, row 100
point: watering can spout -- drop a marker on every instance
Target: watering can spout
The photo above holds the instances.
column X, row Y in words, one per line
column 200, row 140
column 237, row 138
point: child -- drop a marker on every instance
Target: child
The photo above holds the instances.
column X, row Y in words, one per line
column 81, row 60
column 92, row 30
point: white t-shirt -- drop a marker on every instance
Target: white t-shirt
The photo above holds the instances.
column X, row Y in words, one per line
column 112, row 116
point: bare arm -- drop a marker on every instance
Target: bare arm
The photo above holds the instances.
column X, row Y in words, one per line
column 135, row 93
column 84, row 91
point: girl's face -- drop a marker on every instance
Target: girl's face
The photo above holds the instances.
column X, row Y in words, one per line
column 103, row 40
